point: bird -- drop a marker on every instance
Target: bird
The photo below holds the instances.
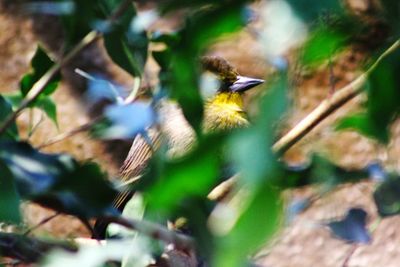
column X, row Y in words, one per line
column 223, row 111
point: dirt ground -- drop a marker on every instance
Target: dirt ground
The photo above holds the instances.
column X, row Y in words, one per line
column 305, row 242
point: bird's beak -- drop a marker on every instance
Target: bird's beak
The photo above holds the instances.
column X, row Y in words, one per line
column 244, row 83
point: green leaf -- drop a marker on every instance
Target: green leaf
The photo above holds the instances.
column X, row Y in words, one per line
column 57, row 181
column 387, row 197
column 49, row 107
column 391, row 14
column 78, row 23
column 310, row 10
column 40, row 64
column 9, row 198
column 255, row 142
column 134, row 209
column 44, row 103
column 352, row 228
column 322, row 45
column 170, row 5
column 383, row 93
column 321, row 171
column 255, row 226
column 364, row 125
column 5, row 110
column 188, row 177
column 126, row 45
column 383, row 107
column 258, row 166
column 170, row 39
column 163, row 58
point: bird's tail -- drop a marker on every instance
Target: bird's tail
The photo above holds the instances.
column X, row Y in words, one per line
column 100, row 226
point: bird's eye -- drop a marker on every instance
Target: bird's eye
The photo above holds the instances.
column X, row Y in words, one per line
column 209, row 84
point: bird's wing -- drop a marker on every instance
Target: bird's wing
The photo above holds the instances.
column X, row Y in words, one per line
column 136, row 161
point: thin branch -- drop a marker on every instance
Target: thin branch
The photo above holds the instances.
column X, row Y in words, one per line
column 63, row 136
column 180, row 241
column 28, row 249
column 328, row 106
column 44, row 221
column 40, row 85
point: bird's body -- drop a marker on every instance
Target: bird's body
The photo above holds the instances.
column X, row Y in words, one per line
column 223, row 111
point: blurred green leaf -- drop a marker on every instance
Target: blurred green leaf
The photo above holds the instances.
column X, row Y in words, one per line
column 391, row 14
column 191, row 176
column 196, row 212
column 387, row 197
column 5, row 110
column 9, row 198
column 321, row 171
column 364, row 125
column 57, row 181
column 134, row 209
column 255, row 226
column 163, row 59
column 383, row 93
column 323, row 44
column 170, row 5
column 382, row 104
column 310, row 10
column 250, row 149
column 200, row 31
column 30, row 250
column 353, row 227
column 171, row 39
column 78, row 23
column 118, row 122
column 258, row 166
column 126, row 45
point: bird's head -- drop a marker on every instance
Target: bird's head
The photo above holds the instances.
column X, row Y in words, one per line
column 230, row 80
column 224, row 109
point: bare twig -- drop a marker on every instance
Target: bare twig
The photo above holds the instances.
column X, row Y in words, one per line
column 40, row 85
column 28, row 249
column 328, row 106
column 63, row 136
column 44, row 221
column 180, row 241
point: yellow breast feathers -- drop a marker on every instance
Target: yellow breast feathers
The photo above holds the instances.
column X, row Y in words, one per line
column 224, row 112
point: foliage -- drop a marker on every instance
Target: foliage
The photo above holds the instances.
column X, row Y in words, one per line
column 352, row 228
column 40, row 64
column 226, row 233
column 56, row 181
